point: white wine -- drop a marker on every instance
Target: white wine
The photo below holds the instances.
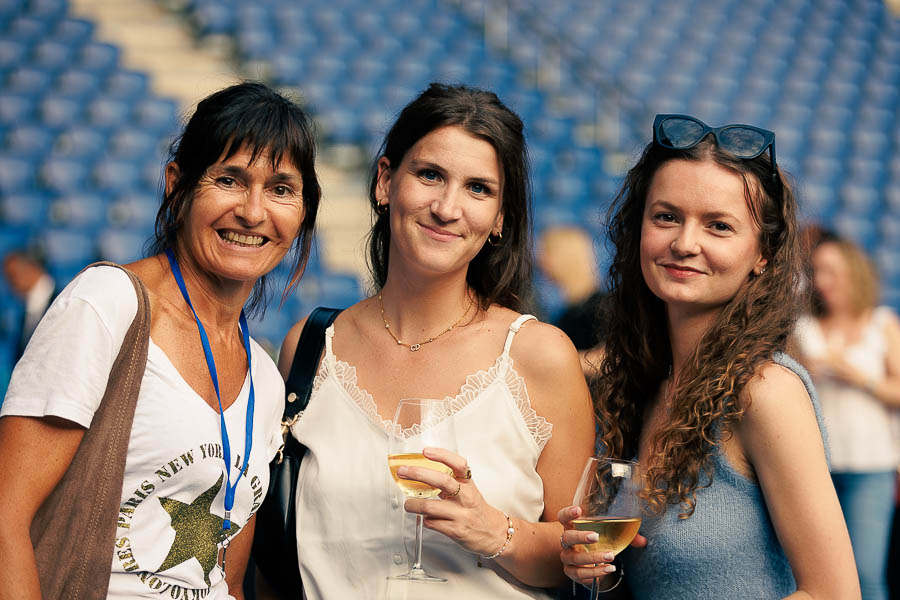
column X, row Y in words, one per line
column 415, row 489
column 615, row 532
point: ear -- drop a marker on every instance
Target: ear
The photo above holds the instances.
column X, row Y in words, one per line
column 173, row 174
column 383, row 182
column 498, row 224
column 760, row 266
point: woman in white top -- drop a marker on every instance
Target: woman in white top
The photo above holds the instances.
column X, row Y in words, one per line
column 451, row 259
column 241, row 190
column 851, row 347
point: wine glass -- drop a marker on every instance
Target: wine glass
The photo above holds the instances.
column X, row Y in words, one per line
column 611, row 506
column 419, row 422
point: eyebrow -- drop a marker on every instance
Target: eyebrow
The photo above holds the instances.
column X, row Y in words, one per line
column 716, row 214
column 417, row 163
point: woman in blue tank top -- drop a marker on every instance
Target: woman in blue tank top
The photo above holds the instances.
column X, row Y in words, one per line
column 694, row 383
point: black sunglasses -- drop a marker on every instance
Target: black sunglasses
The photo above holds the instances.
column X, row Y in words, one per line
column 680, row 132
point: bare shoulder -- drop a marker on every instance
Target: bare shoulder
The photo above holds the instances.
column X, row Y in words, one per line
column 542, row 347
column 546, row 358
column 777, row 400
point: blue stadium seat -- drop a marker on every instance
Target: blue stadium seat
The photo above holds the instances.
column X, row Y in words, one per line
column 17, row 174
column 58, row 112
column 98, row 57
column 28, row 209
column 68, row 250
column 122, row 246
column 78, row 141
column 78, row 209
column 63, row 174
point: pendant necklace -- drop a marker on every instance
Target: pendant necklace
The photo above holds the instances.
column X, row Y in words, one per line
column 415, row 347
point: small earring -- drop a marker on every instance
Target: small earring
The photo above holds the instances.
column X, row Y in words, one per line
column 761, row 271
column 380, row 209
column 494, row 239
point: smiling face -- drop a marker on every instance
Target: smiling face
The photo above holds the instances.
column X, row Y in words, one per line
column 444, row 200
column 699, row 242
column 243, row 218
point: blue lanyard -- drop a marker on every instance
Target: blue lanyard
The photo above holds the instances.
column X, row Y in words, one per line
column 207, row 350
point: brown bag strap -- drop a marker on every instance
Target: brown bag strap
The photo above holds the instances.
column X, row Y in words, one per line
column 74, row 530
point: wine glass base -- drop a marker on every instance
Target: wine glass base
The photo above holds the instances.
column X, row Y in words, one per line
column 418, row 575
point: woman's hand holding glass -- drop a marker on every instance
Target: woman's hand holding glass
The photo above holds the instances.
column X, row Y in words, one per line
column 464, row 516
column 603, row 521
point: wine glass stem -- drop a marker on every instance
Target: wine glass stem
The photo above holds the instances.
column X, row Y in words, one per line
column 420, row 526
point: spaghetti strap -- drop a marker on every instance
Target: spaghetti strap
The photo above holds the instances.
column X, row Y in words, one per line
column 513, row 329
column 329, row 335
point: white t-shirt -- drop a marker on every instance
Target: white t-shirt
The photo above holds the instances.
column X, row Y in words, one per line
column 170, row 518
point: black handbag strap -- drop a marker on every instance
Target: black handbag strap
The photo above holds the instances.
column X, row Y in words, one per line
column 306, row 359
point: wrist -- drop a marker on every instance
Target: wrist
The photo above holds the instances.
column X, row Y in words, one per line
column 502, row 542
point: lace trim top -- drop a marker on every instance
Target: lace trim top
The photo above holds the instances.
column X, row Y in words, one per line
column 501, row 371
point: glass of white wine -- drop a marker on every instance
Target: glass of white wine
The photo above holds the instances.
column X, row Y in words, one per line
column 609, row 495
column 419, row 422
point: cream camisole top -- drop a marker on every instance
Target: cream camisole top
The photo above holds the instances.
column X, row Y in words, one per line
column 352, row 530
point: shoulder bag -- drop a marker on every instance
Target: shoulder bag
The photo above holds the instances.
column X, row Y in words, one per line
column 275, row 537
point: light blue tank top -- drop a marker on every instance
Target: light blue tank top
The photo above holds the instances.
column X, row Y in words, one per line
column 726, row 549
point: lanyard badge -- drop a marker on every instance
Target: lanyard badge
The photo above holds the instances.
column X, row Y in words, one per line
column 211, row 364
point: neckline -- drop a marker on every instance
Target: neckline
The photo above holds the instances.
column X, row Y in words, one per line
column 471, row 389
column 243, row 393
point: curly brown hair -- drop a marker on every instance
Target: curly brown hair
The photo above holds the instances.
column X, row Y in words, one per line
column 755, row 324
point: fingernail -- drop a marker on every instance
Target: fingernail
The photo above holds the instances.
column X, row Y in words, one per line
column 608, row 557
column 609, row 569
column 592, row 537
column 402, row 471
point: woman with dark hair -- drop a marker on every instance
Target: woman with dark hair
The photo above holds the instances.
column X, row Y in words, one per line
column 851, row 347
column 240, row 192
column 694, row 382
column 451, row 259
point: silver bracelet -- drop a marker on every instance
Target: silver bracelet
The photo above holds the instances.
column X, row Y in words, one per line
column 510, row 530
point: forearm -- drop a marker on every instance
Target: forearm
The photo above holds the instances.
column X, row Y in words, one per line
column 886, row 390
column 532, row 556
column 18, row 575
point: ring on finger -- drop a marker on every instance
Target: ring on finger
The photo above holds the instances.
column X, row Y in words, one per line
column 467, row 476
column 562, row 542
column 458, row 488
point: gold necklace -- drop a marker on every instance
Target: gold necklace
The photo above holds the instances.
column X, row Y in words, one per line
column 417, row 345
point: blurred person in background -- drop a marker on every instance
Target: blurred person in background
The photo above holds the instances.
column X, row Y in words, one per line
column 450, row 254
column 33, row 284
column 695, row 384
column 566, row 256
column 240, row 192
column 851, row 346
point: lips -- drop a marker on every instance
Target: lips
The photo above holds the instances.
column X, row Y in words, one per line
column 438, row 233
column 681, row 270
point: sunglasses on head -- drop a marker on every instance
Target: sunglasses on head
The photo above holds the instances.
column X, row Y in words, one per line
column 680, row 132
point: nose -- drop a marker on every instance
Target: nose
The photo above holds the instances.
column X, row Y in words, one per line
column 251, row 209
column 446, row 206
column 687, row 242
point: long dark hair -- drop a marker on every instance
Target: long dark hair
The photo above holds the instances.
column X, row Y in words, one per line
column 745, row 334
column 498, row 274
column 248, row 116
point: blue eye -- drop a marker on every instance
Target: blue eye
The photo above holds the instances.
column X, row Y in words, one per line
column 479, row 188
column 430, row 175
